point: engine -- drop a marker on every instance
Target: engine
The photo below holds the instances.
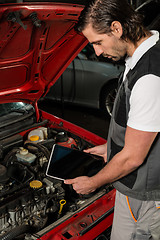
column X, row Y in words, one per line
column 29, row 200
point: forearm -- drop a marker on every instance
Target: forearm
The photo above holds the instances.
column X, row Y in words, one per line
column 120, row 166
column 137, row 145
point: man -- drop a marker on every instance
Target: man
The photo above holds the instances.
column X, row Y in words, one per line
column 133, row 147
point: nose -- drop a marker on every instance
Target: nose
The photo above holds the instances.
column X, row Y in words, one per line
column 98, row 50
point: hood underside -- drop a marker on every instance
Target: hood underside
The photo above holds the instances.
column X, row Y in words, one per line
column 37, row 43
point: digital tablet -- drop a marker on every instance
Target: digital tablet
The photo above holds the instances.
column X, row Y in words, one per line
column 68, row 163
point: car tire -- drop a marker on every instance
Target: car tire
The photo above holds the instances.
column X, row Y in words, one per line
column 107, row 97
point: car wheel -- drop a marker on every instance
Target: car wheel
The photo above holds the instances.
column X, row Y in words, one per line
column 107, row 98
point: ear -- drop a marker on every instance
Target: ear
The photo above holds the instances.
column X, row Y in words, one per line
column 116, row 29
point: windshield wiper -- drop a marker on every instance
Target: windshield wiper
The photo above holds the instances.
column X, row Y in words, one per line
column 17, row 119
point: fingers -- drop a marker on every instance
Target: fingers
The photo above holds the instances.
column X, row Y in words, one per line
column 82, row 185
column 87, row 150
column 69, row 181
column 72, row 181
column 75, row 184
column 90, row 150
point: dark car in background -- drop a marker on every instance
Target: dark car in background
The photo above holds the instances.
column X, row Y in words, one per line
column 150, row 9
column 88, row 82
column 91, row 81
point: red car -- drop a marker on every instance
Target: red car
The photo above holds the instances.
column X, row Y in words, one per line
column 37, row 43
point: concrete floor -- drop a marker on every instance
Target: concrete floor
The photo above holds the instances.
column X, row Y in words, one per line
column 90, row 119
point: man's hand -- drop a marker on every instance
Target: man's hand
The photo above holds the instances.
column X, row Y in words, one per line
column 82, row 185
column 137, row 146
column 100, row 150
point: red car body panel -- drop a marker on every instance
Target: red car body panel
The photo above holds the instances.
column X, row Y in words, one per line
column 37, row 43
column 87, row 224
column 58, row 122
column 32, row 59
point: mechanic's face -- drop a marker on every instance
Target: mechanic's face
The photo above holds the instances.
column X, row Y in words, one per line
column 109, row 45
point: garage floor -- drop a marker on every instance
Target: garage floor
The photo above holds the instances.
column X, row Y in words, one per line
column 90, row 119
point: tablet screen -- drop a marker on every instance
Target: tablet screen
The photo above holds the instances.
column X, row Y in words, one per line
column 67, row 163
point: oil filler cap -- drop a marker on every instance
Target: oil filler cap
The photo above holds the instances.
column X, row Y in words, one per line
column 35, row 184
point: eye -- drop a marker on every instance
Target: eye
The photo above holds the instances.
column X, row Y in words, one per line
column 97, row 43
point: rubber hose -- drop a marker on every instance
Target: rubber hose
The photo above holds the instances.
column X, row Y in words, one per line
column 15, row 232
column 43, row 149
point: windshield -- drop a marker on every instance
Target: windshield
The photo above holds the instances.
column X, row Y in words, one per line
column 19, row 107
column 15, row 117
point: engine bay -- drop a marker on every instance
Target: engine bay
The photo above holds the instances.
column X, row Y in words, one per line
column 30, row 200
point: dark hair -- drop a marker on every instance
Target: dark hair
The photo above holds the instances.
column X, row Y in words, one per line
column 101, row 13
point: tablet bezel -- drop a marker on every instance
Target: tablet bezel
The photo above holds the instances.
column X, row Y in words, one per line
column 59, row 146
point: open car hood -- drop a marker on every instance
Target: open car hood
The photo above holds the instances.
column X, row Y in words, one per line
column 37, row 43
